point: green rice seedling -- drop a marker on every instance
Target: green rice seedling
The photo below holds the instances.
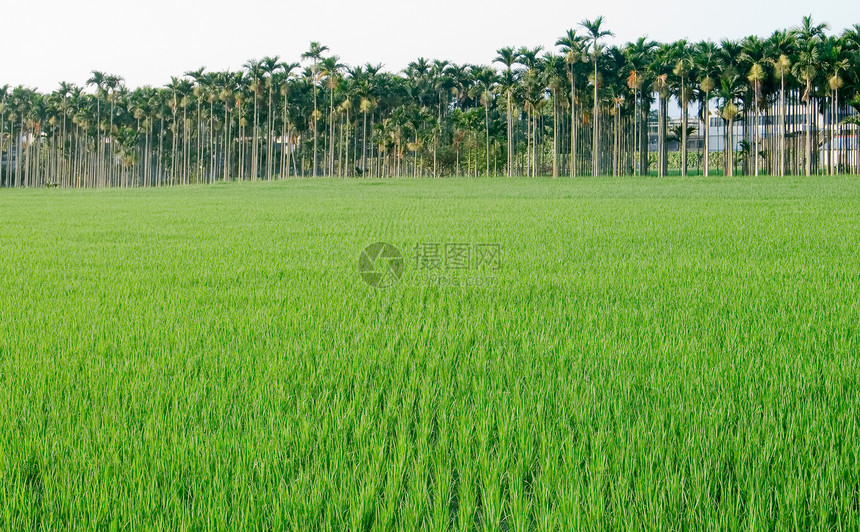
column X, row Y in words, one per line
column 660, row 354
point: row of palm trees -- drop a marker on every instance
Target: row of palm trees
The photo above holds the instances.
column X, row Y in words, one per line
column 787, row 104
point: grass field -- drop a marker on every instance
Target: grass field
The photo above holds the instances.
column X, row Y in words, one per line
column 659, row 354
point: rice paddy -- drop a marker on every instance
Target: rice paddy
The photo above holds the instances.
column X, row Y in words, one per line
column 645, row 353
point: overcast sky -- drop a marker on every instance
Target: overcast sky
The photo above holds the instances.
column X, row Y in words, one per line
column 50, row 41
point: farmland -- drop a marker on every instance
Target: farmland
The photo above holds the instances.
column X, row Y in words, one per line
column 657, row 353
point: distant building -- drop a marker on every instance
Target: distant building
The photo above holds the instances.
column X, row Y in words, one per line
column 842, row 149
column 5, row 160
column 768, row 127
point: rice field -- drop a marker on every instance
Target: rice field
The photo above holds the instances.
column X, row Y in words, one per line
column 633, row 354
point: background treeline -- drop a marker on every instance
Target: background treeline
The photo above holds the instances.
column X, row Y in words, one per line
column 583, row 109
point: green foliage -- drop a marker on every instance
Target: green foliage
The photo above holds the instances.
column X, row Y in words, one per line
column 272, row 119
column 653, row 354
column 695, row 160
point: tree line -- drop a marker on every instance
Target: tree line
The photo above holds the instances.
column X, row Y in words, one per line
column 786, row 104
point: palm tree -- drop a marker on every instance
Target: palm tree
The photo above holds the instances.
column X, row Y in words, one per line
column 676, row 133
column 573, row 47
column 780, row 47
column 314, row 54
column 855, row 121
column 851, row 41
column 286, row 75
column 229, row 95
column 79, row 102
column 753, row 55
column 175, row 90
column 835, row 64
column 331, row 68
column 113, row 85
column 706, row 60
column 731, row 89
column 508, row 82
column 661, row 68
column 553, row 73
column 442, row 84
column 682, row 69
column 29, row 107
column 616, row 93
column 209, row 84
column 532, row 93
column 62, row 108
column 199, row 92
column 255, row 73
column 809, row 37
column 486, row 79
column 98, row 79
column 639, row 57
column 367, row 90
column 4, row 90
column 594, row 36
column 184, row 92
column 270, row 66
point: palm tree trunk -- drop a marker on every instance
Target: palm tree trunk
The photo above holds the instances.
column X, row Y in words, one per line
column 596, row 129
column 344, row 157
column 254, row 141
column 661, row 138
column 554, row 134
column 354, row 146
column 615, row 143
column 224, row 151
column 64, row 160
column 572, row 124
column 79, row 158
column 97, row 174
column 510, row 136
column 528, row 144
column 644, row 140
column 834, row 132
column 364, row 150
column 808, row 128
column 186, row 147
column 636, row 139
column 331, row 133
column 269, row 127
column 316, row 128
column 755, row 132
column 109, row 177
column 534, row 143
column 8, row 161
column 173, row 148
column 707, row 141
column 147, row 156
column 684, row 107
column 856, row 164
column 782, row 138
column 160, row 158
column 27, row 162
column 285, row 148
column 487, row 131
column 730, row 150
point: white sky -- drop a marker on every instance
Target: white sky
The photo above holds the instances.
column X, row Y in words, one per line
column 48, row 41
